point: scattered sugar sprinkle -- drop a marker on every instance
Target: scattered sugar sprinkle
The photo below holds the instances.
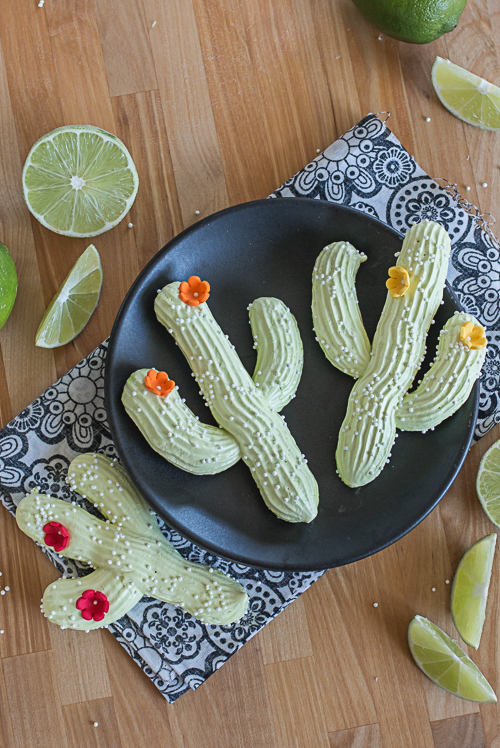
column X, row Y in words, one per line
column 446, row 581
column 427, row 119
column 41, row 3
column 96, row 724
column 433, row 589
column 131, row 225
column 375, row 605
column 485, row 184
column 197, row 212
column 468, row 188
column 154, row 24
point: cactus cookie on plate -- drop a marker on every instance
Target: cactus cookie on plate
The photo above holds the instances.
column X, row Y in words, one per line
column 246, row 408
column 378, row 403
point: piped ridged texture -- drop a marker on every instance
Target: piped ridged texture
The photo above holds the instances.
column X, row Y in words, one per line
column 240, row 407
column 173, row 431
column 280, row 354
column 369, row 428
column 345, row 344
column 448, row 382
column 130, row 555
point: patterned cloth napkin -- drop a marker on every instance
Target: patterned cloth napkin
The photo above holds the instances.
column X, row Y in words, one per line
column 368, row 169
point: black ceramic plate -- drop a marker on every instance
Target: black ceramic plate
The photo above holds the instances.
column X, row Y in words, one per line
column 268, row 248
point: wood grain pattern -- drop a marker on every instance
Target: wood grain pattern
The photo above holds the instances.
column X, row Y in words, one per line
column 290, row 639
column 124, row 37
column 219, row 101
column 81, row 730
column 466, row 731
column 31, row 696
column 358, row 737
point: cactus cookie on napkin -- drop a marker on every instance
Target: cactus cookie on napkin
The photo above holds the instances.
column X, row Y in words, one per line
column 129, row 554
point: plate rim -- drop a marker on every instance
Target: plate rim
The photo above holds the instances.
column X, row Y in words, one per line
column 155, row 505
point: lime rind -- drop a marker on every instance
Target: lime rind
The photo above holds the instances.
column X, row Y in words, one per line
column 64, row 184
column 446, row 664
column 488, row 483
column 469, row 592
column 468, row 96
column 8, row 284
column 73, row 305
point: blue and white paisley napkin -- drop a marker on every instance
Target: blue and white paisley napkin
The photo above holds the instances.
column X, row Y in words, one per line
column 367, row 169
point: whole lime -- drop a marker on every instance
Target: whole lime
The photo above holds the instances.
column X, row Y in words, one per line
column 8, row 284
column 414, row 21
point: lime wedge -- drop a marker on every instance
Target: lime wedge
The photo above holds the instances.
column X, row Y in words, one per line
column 442, row 660
column 8, row 284
column 488, row 483
column 467, row 96
column 73, row 305
column 470, row 589
column 79, row 180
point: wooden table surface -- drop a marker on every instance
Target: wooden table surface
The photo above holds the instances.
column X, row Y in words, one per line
column 220, row 101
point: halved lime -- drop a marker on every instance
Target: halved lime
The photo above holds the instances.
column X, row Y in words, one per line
column 79, row 180
column 488, row 483
column 442, row 660
column 469, row 97
column 470, row 589
column 8, row 284
column 72, row 306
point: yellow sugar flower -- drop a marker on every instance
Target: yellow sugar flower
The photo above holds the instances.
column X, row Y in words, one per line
column 473, row 336
column 398, row 282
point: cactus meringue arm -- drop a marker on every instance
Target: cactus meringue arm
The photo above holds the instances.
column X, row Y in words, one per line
column 173, row 430
column 336, row 317
column 131, row 556
column 268, row 449
column 280, row 355
column 447, row 384
column 369, row 428
column 59, row 599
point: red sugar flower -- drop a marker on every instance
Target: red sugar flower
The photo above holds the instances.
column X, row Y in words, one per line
column 56, row 536
column 194, row 291
column 159, row 383
column 93, row 604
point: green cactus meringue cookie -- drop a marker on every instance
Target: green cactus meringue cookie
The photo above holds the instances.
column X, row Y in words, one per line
column 379, row 402
column 246, row 408
column 129, row 554
column 336, row 317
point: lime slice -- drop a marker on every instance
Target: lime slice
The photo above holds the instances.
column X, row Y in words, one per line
column 442, row 660
column 467, row 96
column 79, row 180
column 72, row 306
column 470, row 589
column 8, row 284
column 488, row 483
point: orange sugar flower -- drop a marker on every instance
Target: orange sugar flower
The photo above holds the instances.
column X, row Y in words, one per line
column 194, row 291
column 398, row 282
column 159, row 383
column 473, row 336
